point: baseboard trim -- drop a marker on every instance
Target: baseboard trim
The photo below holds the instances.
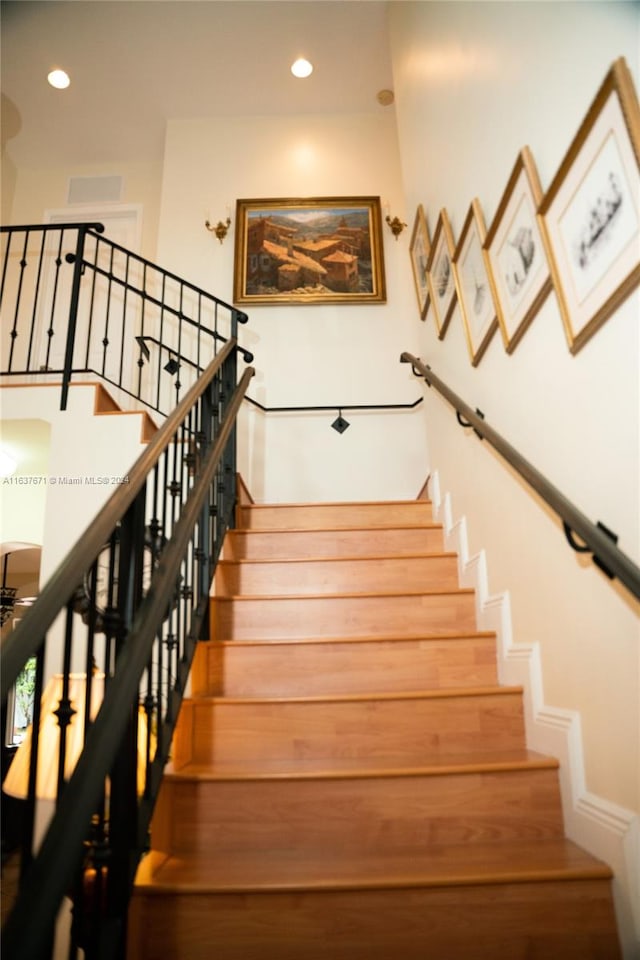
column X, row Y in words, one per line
column 606, row 830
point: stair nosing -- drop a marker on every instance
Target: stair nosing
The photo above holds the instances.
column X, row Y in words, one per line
column 594, row 869
column 359, row 528
column 337, row 530
column 337, row 558
column 372, row 638
column 451, row 769
column 444, row 693
column 321, row 505
column 454, row 591
column 595, row 872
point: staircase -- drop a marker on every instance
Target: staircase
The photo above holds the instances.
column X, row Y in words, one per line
column 349, row 781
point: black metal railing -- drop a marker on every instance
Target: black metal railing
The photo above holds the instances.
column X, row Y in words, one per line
column 74, row 303
column 340, row 424
column 121, row 616
column 596, row 538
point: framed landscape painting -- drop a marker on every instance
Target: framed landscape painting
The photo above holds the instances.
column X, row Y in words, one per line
column 442, row 287
column 419, row 249
column 471, row 269
column 590, row 216
column 326, row 250
column 519, row 267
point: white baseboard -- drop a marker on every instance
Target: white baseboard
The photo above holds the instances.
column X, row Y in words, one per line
column 606, row 830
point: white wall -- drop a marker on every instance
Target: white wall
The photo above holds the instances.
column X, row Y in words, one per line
column 310, row 355
column 86, row 455
column 474, row 83
column 43, row 187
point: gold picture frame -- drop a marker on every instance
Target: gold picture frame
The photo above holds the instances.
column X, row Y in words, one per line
column 519, row 268
column 442, row 287
column 590, row 215
column 419, row 250
column 471, row 270
column 309, row 251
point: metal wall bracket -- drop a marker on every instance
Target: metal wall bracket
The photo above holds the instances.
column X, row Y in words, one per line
column 583, row 548
column 465, row 423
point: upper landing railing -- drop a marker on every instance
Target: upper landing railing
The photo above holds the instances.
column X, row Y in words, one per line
column 597, row 539
column 73, row 303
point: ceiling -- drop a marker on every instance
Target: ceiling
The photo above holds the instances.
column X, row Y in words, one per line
column 134, row 64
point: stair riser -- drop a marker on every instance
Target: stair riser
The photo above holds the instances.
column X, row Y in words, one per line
column 322, row 515
column 281, row 618
column 356, row 817
column 564, row 920
column 382, row 575
column 310, row 669
column 403, row 730
column 301, row 544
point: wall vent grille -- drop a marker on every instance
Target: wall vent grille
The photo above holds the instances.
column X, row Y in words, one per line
column 95, row 189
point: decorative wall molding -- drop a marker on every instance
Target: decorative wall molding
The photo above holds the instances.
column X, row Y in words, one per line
column 606, row 830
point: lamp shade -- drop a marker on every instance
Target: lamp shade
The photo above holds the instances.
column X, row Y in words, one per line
column 16, row 783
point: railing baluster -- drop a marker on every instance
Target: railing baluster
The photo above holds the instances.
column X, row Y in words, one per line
column 161, row 337
column 27, row 851
column 92, row 300
column 64, row 710
column 14, row 330
column 107, row 316
column 5, row 265
column 35, row 300
column 179, row 347
column 199, row 331
column 54, row 299
column 124, row 319
column 142, row 331
column 78, row 267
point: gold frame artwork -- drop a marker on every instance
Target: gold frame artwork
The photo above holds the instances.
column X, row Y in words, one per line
column 472, row 273
column 519, row 273
column 419, row 250
column 590, row 216
column 309, row 251
column 442, row 286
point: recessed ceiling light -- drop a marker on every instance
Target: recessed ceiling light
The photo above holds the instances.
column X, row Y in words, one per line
column 301, row 68
column 59, row 79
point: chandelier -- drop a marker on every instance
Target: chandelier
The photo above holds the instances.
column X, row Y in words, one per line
column 7, row 603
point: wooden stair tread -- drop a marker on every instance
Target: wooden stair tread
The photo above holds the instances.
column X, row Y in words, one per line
column 322, row 504
column 363, row 767
column 448, row 865
column 430, row 555
column 358, row 527
column 330, row 542
column 363, row 638
column 438, row 592
column 436, row 694
column 322, row 515
column 364, row 528
column 338, row 528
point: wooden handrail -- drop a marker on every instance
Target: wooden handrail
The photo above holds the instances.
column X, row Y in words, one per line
column 597, row 539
